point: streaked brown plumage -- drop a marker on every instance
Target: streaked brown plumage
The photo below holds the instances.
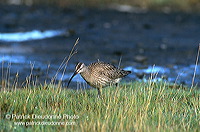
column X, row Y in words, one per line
column 99, row 74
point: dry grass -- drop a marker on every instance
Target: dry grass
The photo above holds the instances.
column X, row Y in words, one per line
column 131, row 107
column 134, row 106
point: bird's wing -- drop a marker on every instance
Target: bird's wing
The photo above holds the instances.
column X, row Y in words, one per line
column 107, row 70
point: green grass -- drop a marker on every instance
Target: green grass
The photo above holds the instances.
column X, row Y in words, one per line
column 131, row 107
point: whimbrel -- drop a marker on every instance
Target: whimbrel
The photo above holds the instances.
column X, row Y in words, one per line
column 99, row 74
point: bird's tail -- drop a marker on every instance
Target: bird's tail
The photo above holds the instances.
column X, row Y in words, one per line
column 126, row 72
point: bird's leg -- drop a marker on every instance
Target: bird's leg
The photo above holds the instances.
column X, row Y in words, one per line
column 99, row 93
column 117, row 84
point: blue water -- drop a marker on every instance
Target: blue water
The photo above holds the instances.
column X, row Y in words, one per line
column 13, row 59
column 177, row 73
column 30, row 35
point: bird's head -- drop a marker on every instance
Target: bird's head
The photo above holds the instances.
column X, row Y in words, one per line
column 80, row 67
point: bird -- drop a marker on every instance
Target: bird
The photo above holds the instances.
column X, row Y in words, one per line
column 99, row 74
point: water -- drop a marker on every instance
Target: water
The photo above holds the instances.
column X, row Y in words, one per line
column 13, row 59
column 30, row 35
column 17, row 55
column 176, row 74
column 148, row 70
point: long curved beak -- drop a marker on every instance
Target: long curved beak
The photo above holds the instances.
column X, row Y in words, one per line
column 71, row 78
